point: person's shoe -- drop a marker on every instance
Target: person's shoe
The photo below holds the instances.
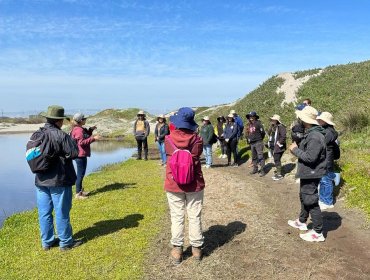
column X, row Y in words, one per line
column 297, row 224
column 139, row 158
column 235, row 164
column 197, row 253
column 254, row 171
column 176, row 255
column 80, row 196
column 207, row 166
column 74, row 244
column 262, row 173
column 277, row 177
column 229, row 164
column 85, row 193
column 224, row 156
column 54, row 244
column 324, row 206
column 312, row 236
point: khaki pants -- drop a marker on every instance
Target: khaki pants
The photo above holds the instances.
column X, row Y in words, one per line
column 193, row 202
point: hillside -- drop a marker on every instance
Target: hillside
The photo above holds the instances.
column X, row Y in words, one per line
column 343, row 90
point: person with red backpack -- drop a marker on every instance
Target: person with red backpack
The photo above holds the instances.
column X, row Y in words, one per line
column 184, row 183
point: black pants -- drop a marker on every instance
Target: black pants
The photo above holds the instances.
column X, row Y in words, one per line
column 223, row 146
column 140, row 144
column 231, row 149
column 277, row 161
column 257, row 154
column 309, row 198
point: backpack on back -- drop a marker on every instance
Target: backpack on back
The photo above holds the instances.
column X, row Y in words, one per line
column 213, row 139
column 39, row 152
column 181, row 164
column 336, row 150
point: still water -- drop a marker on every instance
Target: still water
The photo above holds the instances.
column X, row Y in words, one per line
column 17, row 190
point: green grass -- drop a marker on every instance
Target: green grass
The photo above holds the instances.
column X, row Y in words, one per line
column 119, row 220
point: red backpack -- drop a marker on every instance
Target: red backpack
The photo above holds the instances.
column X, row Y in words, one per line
column 181, row 164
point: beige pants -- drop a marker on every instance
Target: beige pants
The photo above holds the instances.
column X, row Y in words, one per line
column 193, row 202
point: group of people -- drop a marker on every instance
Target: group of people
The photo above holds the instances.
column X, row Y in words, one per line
column 313, row 143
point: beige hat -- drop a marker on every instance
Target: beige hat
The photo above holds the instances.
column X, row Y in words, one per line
column 308, row 115
column 206, row 118
column 230, row 115
column 326, row 117
column 276, row 118
column 141, row 112
column 232, row 112
column 161, row 116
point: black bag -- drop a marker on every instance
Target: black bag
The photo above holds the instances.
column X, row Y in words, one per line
column 213, row 139
column 39, row 152
column 336, row 150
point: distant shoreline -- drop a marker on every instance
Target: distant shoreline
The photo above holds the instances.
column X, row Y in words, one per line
column 6, row 129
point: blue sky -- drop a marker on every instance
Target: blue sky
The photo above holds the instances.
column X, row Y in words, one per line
column 160, row 55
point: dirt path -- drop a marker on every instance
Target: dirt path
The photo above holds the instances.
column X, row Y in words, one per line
column 247, row 236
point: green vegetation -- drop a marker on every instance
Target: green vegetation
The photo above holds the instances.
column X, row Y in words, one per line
column 119, row 220
column 31, row 120
column 343, row 90
column 301, row 74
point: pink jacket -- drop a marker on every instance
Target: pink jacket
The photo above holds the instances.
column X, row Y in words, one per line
column 83, row 138
column 182, row 139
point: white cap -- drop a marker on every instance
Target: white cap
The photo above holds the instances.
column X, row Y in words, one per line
column 78, row 117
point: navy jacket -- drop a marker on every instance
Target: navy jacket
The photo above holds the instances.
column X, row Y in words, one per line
column 231, row 130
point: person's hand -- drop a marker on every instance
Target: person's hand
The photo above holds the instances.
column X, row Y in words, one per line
column 293, row 146
column 93, row 127
column 97, row 137
column 227, row 140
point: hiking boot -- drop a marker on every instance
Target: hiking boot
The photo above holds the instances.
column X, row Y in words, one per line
column 176, row 255
column 54, row 244
column 235, row 164
column 197, row 253
column 297, row 224
column 262, row 173
column 277, row 177
column 254, row 171
column 74, row 244
column 312, row 236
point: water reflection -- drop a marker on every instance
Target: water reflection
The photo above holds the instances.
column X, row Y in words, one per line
column 17, row 182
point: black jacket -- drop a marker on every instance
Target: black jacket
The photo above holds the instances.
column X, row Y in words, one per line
column 256, row 132
column 62, row 172
column 330, row 137
column 311, row 154
column 278, row 134
column 162, row 132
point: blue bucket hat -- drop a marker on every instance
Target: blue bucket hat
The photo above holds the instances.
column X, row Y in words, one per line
column 184, row 118
column 300, row 107
column 252, row 114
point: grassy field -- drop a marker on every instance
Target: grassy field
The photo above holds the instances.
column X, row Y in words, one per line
column 118, row 222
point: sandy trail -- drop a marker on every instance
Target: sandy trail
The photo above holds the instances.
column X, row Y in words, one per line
column 247, row 236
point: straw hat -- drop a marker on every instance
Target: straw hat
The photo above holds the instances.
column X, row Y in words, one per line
column 230, row 115
column 141, row 112
column 161, row 116
column 308, row 115
column 276, row 118
column 326, row 117
column 205, row 118
column 232, row 112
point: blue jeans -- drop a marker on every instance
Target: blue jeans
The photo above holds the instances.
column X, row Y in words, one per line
column 59, row 199
column 326, row 188
column 162, row 151
column 81, row 163
column 207, row 151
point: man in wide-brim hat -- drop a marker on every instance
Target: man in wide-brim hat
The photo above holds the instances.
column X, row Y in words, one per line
column 311, row 155
column 54, row 186
column 326, row 201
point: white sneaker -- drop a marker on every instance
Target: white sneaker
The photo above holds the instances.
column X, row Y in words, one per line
column 208, row 166
column 224, row 156
column 312, row 236
column 297, row 224
column 324, row 206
